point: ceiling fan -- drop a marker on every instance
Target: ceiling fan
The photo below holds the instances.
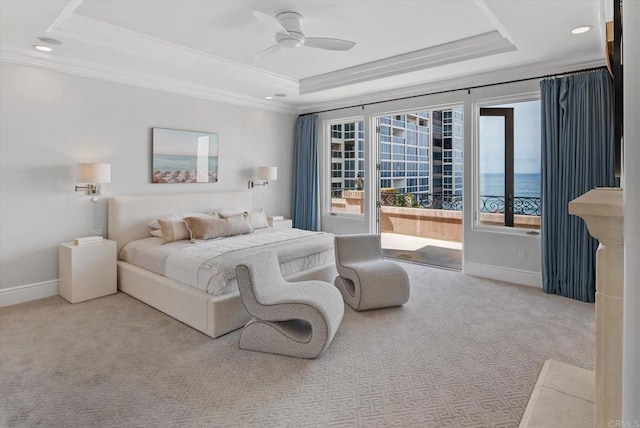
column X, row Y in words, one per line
column 289, row 34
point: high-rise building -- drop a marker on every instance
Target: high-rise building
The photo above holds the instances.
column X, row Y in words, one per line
column 420, row 153
column 347, row 157
column 404, row 152
column 452, row 163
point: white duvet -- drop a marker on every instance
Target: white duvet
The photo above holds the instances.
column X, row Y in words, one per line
column 210, row 265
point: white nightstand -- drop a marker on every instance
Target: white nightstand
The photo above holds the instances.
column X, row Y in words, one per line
column 87, row 271
column 280, row 224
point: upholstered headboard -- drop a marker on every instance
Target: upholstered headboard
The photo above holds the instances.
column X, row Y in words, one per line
column 129, row 215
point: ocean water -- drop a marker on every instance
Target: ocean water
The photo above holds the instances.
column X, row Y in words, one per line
column 180, row 163
column 525, row 185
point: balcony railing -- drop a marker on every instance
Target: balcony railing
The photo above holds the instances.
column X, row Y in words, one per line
column 522, row 205
column 421, row 200
column 488, row 203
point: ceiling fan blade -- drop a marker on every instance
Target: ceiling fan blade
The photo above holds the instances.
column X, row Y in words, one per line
column 268, row 51
column 330, row 44
column 269, row 21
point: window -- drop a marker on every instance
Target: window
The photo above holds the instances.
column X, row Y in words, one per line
column 509, row 165
column 347, row 166
column 336, row 131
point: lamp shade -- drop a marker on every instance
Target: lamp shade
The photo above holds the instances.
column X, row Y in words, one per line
column 268, row 173
column 94, row 173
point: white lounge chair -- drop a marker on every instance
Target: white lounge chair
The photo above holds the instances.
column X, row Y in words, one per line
column 366, row 280
column 298, row 319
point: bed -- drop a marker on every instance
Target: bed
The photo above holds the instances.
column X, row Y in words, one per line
column 213, row 315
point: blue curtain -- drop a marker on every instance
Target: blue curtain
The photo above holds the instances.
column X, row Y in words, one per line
column 577, row 155
column 305, row 174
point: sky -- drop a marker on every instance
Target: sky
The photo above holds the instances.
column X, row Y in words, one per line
column 526, row 136
column 176, row 142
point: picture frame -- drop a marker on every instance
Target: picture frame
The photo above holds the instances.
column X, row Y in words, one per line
column 184, row 156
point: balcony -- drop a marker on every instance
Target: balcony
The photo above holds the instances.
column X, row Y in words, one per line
column 435, row 216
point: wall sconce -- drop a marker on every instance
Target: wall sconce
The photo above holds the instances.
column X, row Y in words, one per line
column 93, row 174
column 265, row 174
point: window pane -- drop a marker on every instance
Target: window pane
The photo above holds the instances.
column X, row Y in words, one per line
column 347, row 167
column 526, row 166
column 526, row 149
column 417, row 157
column 492, row 169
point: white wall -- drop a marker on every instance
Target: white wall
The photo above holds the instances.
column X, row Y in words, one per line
column 631, row 334
column 486, row 253
column 51, row 121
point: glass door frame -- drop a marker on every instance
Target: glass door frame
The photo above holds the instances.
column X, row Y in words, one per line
column 335, row 221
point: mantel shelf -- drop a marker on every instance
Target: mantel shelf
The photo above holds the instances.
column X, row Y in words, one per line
column 602, row 210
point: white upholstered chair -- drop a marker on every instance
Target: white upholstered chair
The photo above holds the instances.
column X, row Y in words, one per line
column 298, row 319
column 366, row 280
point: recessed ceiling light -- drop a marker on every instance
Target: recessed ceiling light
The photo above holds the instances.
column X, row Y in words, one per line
column 580, row 30
column 268, row 98
column 42, row 48
column 49, row 41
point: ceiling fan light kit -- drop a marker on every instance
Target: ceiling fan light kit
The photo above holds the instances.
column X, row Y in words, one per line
column 289, row 34
column 290, row 40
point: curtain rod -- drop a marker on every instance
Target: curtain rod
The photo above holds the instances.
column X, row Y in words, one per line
column 468, row 89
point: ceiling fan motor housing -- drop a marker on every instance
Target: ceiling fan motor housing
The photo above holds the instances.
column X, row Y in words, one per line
column 290, row 21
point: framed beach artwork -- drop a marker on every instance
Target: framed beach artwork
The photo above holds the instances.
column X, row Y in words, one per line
column 184, row 156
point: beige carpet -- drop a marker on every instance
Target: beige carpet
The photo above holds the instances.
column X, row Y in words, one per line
column 464, row 352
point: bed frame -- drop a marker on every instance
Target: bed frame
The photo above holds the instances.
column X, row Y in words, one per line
column 214, row 316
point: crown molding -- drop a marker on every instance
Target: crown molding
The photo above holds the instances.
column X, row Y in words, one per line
column 522, row 71
column 143, row 80
column 493, row 19
column 65, row 14
column 447, row 53
column 118, row 39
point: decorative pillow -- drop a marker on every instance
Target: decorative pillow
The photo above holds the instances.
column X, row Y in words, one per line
column 257, row 219
column 156, row 232
column 173, row 229
column 213, row 213
column 229, row 215
column 155, row 225
column 206, row 228
column 239, row 225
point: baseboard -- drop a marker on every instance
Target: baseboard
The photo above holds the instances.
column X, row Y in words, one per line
column 516, row 276
column 28, row 292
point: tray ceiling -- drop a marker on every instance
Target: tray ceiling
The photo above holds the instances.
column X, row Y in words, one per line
column 206, row 48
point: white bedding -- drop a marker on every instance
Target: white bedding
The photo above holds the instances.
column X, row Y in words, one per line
column 210, row 265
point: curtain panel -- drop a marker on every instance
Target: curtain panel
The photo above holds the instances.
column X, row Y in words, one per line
column 577, row 155
column 305, row 173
